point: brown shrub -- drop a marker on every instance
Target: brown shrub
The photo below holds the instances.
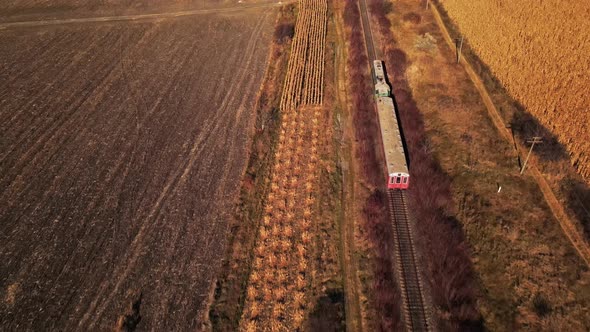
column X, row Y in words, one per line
column 412, row 18
column 284, row 32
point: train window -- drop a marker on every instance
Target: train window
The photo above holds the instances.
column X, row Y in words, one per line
column 392, row 180
column 399, row 180
column 405, row 180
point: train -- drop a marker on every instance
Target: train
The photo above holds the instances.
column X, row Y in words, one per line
column 398, row 176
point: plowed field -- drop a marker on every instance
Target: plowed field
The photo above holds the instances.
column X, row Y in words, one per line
column 27, row 10
column 121, row 151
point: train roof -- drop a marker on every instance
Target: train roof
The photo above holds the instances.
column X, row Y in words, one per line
column 392, row 140
column 379, row 73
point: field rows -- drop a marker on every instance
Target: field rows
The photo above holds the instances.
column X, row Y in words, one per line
column 303, row 85
column 280, row 276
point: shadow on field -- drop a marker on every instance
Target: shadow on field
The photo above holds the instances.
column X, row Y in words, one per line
column 575, row 191
column 525, row 126
column 578, row 200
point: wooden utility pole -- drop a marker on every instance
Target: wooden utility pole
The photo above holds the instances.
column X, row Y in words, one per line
column 533, row 141
column 459, row 46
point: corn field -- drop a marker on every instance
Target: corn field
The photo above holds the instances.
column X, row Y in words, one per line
column 280, row 274
column 540, row 54
column 303, row 85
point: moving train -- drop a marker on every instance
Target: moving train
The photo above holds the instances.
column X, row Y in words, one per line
column 398, row 176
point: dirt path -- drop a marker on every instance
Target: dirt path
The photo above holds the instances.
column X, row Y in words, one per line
column 557, row 209
column 139, row 17
column 350, row 265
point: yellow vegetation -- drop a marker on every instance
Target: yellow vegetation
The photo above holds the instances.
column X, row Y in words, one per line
column 539, row 51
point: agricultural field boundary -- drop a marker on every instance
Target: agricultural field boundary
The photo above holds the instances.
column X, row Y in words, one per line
column 557, row 209
column 139, row 17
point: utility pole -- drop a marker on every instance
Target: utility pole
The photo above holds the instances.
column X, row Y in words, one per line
column 459, row 46
column 427, row 3
column 534, row 140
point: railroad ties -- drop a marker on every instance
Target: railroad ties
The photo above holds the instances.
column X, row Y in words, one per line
column 415, row 315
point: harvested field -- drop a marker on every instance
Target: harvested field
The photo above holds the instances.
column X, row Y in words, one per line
column 539, row 53
column 121, row 150
column 27, row 10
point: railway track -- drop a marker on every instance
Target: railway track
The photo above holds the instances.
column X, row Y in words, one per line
column 371, row 49
column 410, row 282
column 415, row 315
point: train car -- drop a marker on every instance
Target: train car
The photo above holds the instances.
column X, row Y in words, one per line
column 398, row 176
column 381, row 87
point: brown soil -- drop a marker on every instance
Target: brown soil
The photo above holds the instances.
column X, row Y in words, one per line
column 121, row 153
column 345, row 134
column 39, row 10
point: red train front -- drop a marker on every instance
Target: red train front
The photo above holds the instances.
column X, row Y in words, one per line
column 398, row 181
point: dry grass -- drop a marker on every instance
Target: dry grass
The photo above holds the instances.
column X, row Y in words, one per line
column 535, row 51
column 11, row 293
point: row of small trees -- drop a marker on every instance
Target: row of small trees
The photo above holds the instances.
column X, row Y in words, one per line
column 276, row 294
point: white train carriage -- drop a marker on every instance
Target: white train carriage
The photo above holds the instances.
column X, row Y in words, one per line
column 381, row 87
column 398, row 176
